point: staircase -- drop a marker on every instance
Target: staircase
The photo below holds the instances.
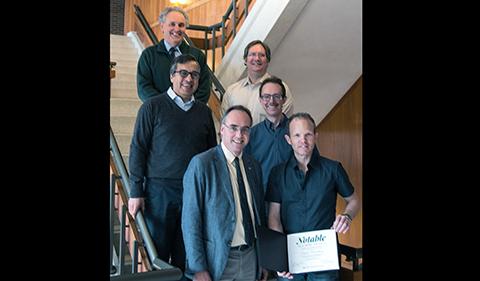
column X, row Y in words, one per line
column 124, row 101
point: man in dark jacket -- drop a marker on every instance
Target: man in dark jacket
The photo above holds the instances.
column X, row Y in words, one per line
column 153, row 77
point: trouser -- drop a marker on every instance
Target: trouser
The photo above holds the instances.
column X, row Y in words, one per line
column 330, row 275
column 163, row 213
column 241, row 265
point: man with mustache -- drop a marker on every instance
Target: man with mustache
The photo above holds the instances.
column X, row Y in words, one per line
column 153, row 66
column 170, row 129
column 245, row 91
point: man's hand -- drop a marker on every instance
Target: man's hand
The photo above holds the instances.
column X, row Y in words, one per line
column 342, row 224
column 285, row 274
column 135, row 204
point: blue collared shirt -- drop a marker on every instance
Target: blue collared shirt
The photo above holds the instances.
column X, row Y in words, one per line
column 185, row 106
column 168, row 47
column 268, row 146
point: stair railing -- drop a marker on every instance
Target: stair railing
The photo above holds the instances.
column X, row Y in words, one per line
column 236, row 11
column 138, row 225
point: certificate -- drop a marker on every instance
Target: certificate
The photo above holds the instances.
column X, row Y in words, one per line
column 312, row 251
column 298, row 252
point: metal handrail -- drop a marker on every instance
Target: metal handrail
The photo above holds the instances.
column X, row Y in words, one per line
column 145, row 24
column 216, row 82
column 139, row 219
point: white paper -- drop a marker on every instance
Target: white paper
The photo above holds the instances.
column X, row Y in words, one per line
column 312, row 251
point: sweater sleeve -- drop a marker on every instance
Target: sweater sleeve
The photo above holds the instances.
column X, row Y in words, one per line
column 139, row 149
column 145, row 86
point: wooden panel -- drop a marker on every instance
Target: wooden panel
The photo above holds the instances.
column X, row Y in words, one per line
column 340, row 138
column 202, row 12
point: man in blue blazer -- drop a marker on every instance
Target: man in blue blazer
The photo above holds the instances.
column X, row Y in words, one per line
column 220, row 244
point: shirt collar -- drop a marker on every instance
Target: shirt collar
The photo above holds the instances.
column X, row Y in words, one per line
column 168, row 46
column 282, row 123
column 247, row 80
column 171, row 93
column 314, row 160
column 229, row 155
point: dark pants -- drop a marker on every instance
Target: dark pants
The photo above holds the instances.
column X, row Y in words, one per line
column 331, row 275
column 241, row 265
column 163, row 213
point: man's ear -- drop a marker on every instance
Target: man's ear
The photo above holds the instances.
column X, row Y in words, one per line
column 287, row 138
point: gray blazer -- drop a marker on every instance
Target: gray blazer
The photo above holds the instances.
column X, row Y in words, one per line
column 208, row 215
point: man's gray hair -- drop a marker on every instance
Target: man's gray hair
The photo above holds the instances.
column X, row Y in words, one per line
column 163, row 15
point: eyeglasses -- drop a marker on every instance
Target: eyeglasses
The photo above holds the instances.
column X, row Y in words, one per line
column 184, row 74
column 235, row 128
column 276, row 97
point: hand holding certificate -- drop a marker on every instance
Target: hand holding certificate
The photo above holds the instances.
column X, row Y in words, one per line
column 305, row 251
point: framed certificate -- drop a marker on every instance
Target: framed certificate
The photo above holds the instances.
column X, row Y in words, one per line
column 298, row 252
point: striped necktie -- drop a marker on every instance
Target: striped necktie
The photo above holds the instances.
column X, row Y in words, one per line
column 172, row 52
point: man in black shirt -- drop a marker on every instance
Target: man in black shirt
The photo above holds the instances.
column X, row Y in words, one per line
column 170, row 129
column 303, row 192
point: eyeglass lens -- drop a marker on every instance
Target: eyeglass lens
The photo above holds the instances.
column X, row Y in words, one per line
column 235, row 128
column 276, row 97
column 184, row 74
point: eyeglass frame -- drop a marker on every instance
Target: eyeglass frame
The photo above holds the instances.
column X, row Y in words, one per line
column 234, row 128
column 275, row 97
column 192, row 74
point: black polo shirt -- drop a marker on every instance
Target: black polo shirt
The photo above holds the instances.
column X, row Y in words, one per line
column 308, row 201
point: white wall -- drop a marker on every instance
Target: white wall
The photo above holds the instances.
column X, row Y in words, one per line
column 316, row 48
